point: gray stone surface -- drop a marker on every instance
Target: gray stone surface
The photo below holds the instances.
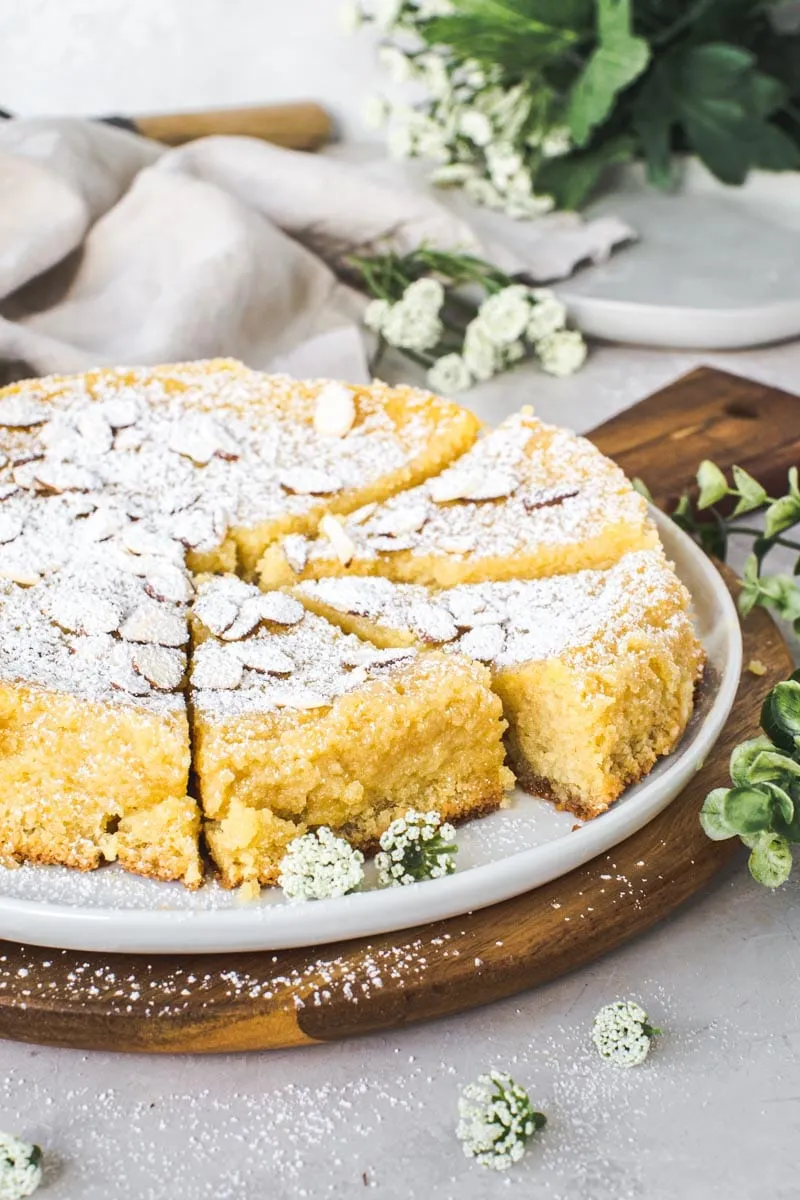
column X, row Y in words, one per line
column 714, row 1113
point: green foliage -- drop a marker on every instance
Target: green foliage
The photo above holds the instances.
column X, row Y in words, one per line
column 779, row 592
column 750, row 492
column 643, row 77
column 763, row 806
column 780, row 715
column 522, row 37
column 770, row 860
column 618, row 59
column 571, row 180
column 722, row 104
column 780, row 515
column 712, row 483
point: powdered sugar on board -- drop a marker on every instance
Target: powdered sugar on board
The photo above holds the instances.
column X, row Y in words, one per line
column 340, row 1121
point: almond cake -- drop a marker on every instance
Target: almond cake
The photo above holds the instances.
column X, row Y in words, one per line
column 298, row 725
column 114, row 486
column 596, row 670
column 527, row 500
column 154, row 701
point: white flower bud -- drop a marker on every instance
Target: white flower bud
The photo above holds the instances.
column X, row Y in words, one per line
column 480, row 351
column 375, row 314
column 424, row 295
column 622, row 1034
column 453, row 174
column 548, row 315
column 476, row 126
column 396, row 63
column 319, row 866
column 561, row 353
column 481, row 191
column 505, row 314
column 410, row 328
column 20, row 1167
column 376, row 112
column 449, row 374
column 351, row 17
column 557, row 142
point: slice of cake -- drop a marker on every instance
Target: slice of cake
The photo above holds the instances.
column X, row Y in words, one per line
column 596, row 670
column 528, row 500
column 298, row 725
column 94, row 738
column 223, row 458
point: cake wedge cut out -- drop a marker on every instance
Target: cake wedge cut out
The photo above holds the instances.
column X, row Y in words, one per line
column 596, row 670
column 528, row 500
column 297, row 725
column 94, row 738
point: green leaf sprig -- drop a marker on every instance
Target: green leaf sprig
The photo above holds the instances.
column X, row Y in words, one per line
column 779, row 592
column 763, row 806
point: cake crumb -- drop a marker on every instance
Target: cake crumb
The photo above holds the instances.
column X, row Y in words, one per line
column 248, row 892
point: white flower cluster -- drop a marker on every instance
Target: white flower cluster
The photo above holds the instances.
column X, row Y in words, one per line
column 506, row 325
column 412, row 323
column 414, row 847
column 497, row 1121
column 486, row 138
column 319, row 865
column 20, row 1167
column 622, row 1034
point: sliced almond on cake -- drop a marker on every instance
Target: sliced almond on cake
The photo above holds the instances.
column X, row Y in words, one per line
column 161, row 666
column 154, row 624
column 216, row 668
column 335, row 411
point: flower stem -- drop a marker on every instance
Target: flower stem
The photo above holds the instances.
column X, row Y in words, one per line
column 776, row 539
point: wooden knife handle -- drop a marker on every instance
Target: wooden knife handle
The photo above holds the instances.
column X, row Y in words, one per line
column 302, row 126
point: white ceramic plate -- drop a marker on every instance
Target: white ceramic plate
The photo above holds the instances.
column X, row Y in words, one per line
column 715, row 267
column 501, row 855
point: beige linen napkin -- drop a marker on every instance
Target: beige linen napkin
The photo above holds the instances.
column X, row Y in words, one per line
column 116, row 250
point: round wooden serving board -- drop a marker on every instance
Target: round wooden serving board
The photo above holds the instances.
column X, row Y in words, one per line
column 204, row 1004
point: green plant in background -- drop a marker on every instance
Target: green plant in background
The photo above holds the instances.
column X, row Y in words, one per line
column 763, row 806
column 529, row 101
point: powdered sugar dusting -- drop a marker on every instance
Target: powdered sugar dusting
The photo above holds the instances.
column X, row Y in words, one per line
column 304, row 663
column 522, row 487
column 586, row 616
column 108, row 479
